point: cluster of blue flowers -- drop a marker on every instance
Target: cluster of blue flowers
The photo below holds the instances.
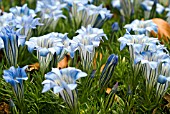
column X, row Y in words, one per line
column 18, row 27
column 148, row 55
column 85, row 14
column 16, row 31
column 87, row 39
column 126, row 7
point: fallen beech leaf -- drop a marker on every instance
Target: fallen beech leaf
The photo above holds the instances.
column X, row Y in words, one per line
column 4, row 108
column 64, row 62
column 154, row 111
column 34, row 66
column 167, row 98
column 163, row 30
column 108, row 90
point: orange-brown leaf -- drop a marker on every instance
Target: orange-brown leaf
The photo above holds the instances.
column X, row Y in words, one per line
column 167, row 98
column 34, row 66
column 4, row 108
column 163, row 30
column 108, row 90
column 64, row 62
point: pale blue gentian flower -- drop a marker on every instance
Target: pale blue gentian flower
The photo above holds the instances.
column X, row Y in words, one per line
column 26, row 24
column 90, row 14
column 88, row 39
column 16, row 77
column 10, row 44
column 163, row 78
column 147, row 6
column 151, row 62
column 64, row 82
column 50, row 12
column 139, row 40
column 142, row 27
column 125, row 7
column 23, row 19
column 162, row 85
column 21, row 11
column 137, row 44
column 5, row 19
column 50, row 44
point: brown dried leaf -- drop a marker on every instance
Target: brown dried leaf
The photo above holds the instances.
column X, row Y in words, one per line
column 167, row 98
column 64, row 62
column 4, row 108
column 108, row 90
column 163, row 30
column 154, row 111
column 34, row 66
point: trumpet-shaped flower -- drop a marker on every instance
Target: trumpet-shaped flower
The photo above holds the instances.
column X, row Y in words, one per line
column 125, row 7
column 87, row 39
column 5, row 18
column 108, row 70
column 138, row 40
column 25, row 24
column 151, row 62
column 136, row 45
column 142, row 27
column 64, row 82
column 16, row 76
column 162, row 85
column 50, row 44
column 21, row 11
column 50, row 12
column 10, row 44
column 50, row 9
column 90, row 14
column 23, row 19
column 147, row 6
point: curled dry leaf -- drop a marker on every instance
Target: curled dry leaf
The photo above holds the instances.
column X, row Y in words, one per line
column 4, row 108
column 163, row 30
column 62, row 64
column 34, row 66
column 167, row 98
column 108, row 90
